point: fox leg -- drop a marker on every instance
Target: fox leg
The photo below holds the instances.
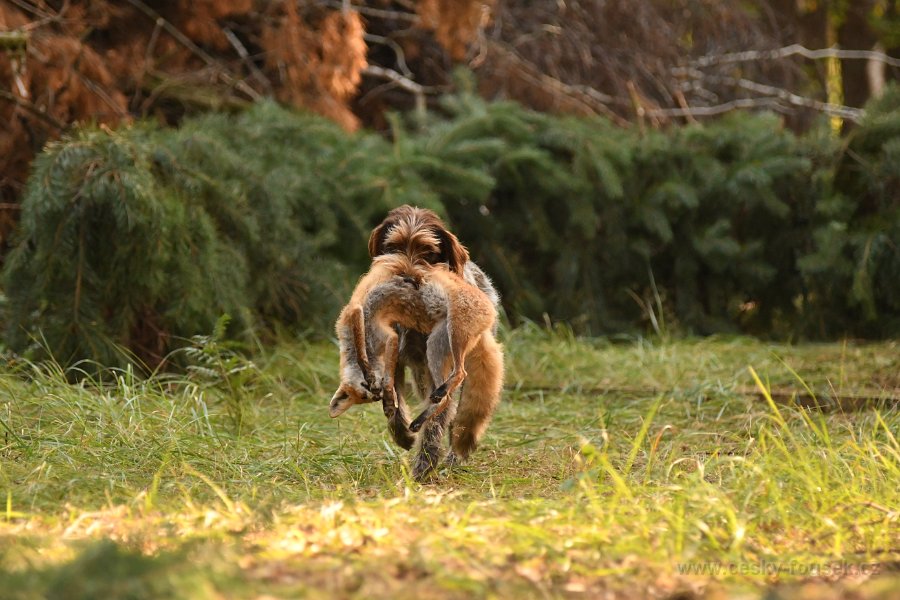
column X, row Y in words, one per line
column 390, row 356
column 459, row 345
column 358, row 336
column 398, row 420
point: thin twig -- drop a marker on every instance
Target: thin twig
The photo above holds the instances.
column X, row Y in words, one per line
column 593, row 100
column 683, row 103
column 245, row 56
column 35, row 10
column 101, row 93
column 373, row 12
column 33, row 109
column 690, row 112
column 398, row 51
column 197, row 50
column 845, row 112
column 148, row 56
column 416, row 89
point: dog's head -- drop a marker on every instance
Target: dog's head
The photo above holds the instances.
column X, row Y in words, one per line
column 419, row 234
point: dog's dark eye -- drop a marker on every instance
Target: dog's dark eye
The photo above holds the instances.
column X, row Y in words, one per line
column 432, row 258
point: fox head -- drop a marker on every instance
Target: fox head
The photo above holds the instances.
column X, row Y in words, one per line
column 345, row 397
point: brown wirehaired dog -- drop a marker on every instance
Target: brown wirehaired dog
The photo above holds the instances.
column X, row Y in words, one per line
column 423, row 237
column 419, row 234
column 431, row 300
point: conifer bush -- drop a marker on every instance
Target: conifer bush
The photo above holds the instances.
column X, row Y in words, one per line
column 134, row 240
column 853, row 265
column 110, row 260
column 734, row 225
column 598, row 226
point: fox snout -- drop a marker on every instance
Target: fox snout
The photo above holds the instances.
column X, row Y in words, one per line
column 339, row 404
column 345, row 397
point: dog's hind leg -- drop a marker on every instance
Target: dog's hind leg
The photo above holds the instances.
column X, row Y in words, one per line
column 429, row 452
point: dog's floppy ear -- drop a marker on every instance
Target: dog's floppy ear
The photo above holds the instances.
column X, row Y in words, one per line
column 452, row 251
column 376, row 240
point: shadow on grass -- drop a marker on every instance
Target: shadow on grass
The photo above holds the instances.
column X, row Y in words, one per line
column 104, row 569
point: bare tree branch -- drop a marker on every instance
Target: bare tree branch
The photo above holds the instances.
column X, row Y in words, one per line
column 373, row 12
column 794, row 49
column 707, row 111
column 838, row 110
column 398, row 51
column 197, row 50
column 592, row 99
column 416, row 89
column 245, row 56
column 768, row 94
column 33, row 109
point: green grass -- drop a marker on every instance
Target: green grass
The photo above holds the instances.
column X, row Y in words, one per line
column 650, row 468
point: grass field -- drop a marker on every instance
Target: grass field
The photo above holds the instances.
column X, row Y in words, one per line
column 619, row 470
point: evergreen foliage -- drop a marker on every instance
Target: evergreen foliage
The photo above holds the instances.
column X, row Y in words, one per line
column 600, row 227
column 133, row 241
column 853, row 267
column 136, row 239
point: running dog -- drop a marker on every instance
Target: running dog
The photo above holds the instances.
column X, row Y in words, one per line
column 420, row 234
column 431, row 300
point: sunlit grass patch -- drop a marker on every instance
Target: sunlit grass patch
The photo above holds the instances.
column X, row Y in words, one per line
column 635, row 468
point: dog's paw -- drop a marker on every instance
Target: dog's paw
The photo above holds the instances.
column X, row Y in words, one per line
column 453, row 460
column 424, row 467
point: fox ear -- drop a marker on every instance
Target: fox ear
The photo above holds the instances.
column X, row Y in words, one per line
column 340, row 402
